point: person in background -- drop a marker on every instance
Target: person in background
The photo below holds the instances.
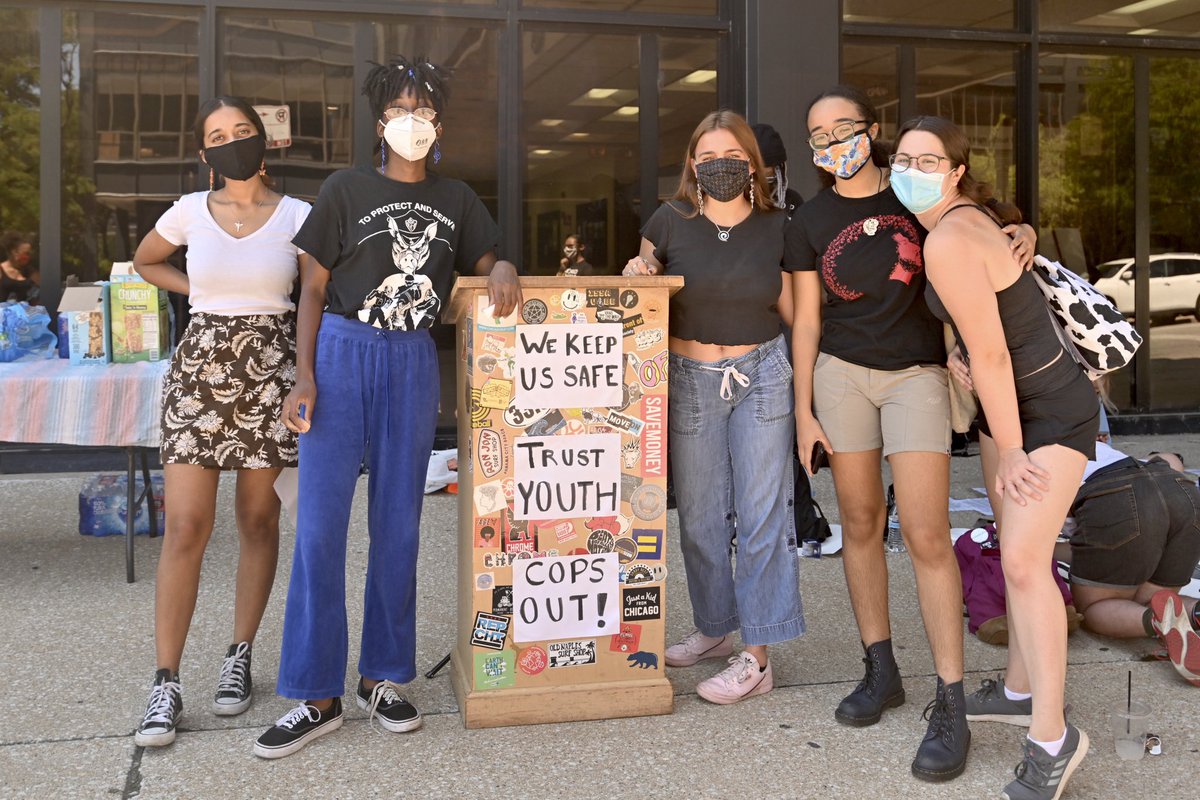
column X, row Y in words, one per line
column 19, row 280
column 730, row 405
column 870, row 384
column 774, row 154
column 223, row 395
column 574, row 260
column 383, row 245
column 1038, row 428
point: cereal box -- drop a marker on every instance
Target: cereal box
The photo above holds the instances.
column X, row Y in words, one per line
column 84, row 311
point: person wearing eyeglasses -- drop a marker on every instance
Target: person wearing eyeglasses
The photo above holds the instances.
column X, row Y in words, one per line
column 870, row 382
column 383, row 245
column 1038, row 426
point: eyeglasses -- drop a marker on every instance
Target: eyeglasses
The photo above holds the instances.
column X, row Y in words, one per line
column 926, row 162
column 395, row 112
column 842, row 133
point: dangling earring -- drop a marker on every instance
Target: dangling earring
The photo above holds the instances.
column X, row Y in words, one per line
column 700, row 200
column 262, row 169
column 437, row 152
column 382, row 155
column 752, row 194
column 210, row 179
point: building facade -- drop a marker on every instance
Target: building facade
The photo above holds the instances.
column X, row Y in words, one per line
column 572, row 116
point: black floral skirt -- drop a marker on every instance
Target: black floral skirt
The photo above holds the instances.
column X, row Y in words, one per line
column 224, row 393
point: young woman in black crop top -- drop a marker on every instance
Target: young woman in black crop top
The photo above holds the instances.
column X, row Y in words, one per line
column 731, row 405
column 1042, row 423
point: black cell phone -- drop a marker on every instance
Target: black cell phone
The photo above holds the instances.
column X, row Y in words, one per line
column 819, row 458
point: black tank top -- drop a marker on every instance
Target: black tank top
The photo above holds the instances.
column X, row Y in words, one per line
column 13, row 289
column 1028, row 329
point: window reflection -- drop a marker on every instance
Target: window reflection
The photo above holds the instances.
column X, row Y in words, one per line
column 20, row 163
column 942, row 13
column 129, row 100
column 688, row 67
column 875, row 70
column 580, row 117
column 307, row 65
column 1164, row 18
column 974, row 88
column 645, row 6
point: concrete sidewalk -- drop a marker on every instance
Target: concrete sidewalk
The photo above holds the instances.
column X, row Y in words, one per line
column 78, row 657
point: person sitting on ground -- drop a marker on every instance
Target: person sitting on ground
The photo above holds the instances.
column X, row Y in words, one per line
column 1135, row 539
column 1135, row 543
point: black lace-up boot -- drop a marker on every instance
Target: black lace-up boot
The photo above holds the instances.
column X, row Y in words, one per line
column 942, row 755
column 880, row 688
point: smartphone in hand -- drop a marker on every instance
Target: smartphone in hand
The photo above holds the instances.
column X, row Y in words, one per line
column 819, row 458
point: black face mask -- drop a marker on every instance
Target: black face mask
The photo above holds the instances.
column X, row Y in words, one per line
column 723, row 178
column 239, row 159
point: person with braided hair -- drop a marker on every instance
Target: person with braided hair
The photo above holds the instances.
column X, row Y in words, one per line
column 382, row 245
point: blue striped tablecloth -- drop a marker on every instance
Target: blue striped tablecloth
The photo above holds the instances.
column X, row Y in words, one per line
column 111, row 405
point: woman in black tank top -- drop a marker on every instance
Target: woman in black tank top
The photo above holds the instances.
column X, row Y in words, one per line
column 1041, row 414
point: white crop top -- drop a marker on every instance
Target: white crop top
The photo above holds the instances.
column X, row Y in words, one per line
column 236, row 277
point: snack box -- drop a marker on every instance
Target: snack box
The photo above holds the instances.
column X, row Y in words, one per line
column 138, row 324
column 83, row 323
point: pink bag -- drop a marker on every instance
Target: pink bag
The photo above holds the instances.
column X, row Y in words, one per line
column 983, row 585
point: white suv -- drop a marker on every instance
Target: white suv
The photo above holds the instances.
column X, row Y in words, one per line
column 1174, row 284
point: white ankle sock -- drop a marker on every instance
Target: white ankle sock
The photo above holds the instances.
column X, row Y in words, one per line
column 1053, row 748
column 1011, row 695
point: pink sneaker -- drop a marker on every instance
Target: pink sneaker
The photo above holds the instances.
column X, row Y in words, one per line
column 741, row 679
column 1174, row 627
column 697, row 647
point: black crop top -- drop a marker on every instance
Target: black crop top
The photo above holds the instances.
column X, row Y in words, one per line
column 731, row 288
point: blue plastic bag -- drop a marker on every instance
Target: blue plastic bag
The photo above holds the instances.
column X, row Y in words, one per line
column 25, row 333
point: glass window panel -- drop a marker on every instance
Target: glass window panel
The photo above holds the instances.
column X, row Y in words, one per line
column 1146, row 18
column 306, row 64
column 632, row 6
column 688, row 72
column 20, row 163
column 1085, row 183
column 939, row 13
column 974, row 88
column 469, row 142
column 580, row 122
column 129, row 99
column 876, row 71
column 1174, row 208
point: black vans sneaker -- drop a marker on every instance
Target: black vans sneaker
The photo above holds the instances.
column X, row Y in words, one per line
column 233, row 684
column 297, row 728
column 385, row 702
column 163, row 711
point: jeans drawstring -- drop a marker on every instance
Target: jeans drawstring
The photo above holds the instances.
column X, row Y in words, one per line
column 729, row 372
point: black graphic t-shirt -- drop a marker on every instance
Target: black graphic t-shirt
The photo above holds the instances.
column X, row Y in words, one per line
column 868, row 252
column 731, row 288
column 391, row 247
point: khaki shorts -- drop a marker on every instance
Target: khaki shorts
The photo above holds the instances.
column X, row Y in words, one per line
column 860, row 408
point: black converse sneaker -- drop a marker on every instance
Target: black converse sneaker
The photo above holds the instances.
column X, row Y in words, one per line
column 234, row 684
column 163, row 711
column 385, row 702
column 297, row 728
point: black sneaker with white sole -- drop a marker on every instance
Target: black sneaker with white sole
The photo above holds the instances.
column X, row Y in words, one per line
column 164, row 709
column 297, row 728
column 385, row 702
column 234, row 686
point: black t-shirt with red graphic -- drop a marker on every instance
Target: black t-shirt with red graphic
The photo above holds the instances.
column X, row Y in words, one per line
column 868, row 252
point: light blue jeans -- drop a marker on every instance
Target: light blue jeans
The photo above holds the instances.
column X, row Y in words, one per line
column 731, row 424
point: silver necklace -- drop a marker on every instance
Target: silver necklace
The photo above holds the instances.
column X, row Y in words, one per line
column 723, row 232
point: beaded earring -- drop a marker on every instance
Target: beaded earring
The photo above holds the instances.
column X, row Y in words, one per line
column 382, row 155
column 752, row 194
column 211, row 179
column 700, row 200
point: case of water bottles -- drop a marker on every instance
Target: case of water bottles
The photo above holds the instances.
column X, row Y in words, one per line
column 104, row 505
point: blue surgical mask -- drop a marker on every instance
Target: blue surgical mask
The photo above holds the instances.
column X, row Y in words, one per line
column 918, row 191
